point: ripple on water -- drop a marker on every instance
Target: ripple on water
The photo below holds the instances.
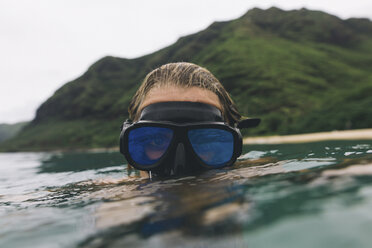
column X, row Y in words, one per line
column 297, row 165
column 272, row 194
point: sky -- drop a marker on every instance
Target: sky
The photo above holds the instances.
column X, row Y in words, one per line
column 47, row 43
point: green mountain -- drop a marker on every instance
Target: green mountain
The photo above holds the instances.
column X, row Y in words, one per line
column 300, row 71
column 9, row 130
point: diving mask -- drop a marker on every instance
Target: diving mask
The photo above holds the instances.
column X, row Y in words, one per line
column 172, row 138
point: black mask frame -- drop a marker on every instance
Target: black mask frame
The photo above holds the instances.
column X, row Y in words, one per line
column 181, row 117
column 179, row 137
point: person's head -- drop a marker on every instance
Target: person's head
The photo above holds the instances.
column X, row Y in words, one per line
column 182, row 120
column 183, row 82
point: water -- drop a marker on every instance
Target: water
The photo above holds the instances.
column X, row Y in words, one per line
column 303, row 195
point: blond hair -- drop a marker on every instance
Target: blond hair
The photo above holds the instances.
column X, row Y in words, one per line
column 186, row 75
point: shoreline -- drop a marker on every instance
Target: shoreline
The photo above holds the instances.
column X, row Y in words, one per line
column 356, row 134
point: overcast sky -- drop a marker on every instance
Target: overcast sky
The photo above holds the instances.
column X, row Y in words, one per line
column 46, row 43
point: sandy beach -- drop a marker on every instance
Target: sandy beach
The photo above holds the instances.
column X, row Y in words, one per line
column 357, row 134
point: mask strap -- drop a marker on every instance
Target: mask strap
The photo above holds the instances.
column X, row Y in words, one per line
column 126, row 124
column 249, row 122
column 181, row 112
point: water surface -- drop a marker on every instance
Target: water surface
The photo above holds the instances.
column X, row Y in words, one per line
column 301, row 195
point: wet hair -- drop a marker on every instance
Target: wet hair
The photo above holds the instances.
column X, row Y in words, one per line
column 185, row 75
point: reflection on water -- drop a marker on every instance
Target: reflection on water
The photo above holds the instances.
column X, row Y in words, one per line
column 74, row 162
column 303, row 195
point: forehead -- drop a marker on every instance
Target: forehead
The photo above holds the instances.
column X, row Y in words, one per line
column 180, row 94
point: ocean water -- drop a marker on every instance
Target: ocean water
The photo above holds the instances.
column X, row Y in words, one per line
column 294, row 195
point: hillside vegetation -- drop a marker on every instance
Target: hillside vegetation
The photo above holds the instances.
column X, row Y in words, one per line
column 9, row 130
column 300, row 71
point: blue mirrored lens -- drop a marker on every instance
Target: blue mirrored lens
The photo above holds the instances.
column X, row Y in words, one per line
column 148, row 144
column 214, row 147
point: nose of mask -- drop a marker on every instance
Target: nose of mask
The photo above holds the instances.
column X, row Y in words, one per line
column 179, row 160
column 181, row 163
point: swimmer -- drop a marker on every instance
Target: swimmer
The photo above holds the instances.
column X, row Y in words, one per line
column 181, row 121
